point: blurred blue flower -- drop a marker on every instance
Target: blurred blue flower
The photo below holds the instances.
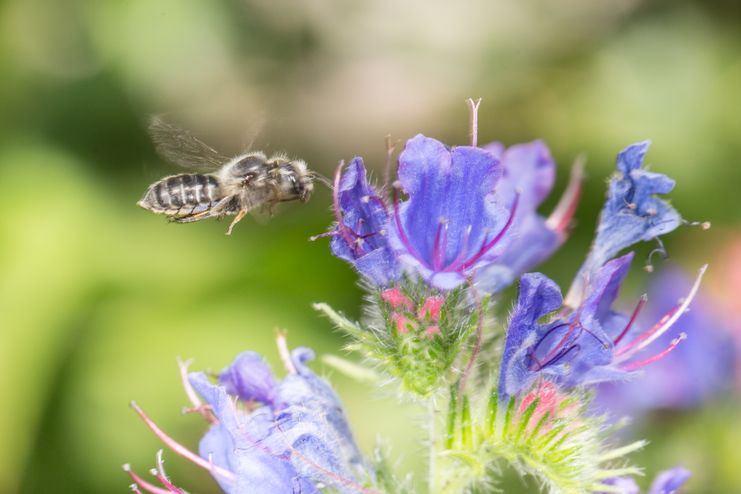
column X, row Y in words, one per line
column 669, row 481
column 666, row 482
column 360, row 236
column 584, row 345
column 285, row 439
column 450, row 226
column 693, row 373
column 632, row 213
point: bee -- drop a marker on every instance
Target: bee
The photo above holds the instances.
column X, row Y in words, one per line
column 224, row 186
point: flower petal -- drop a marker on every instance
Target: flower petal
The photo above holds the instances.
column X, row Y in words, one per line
column 249, row 377
column 538, row 297
column 632, row 213
column 669, row 481
column 361, row 238
column 450, row 214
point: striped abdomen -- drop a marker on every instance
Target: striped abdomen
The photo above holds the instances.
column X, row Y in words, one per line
column 182, row 194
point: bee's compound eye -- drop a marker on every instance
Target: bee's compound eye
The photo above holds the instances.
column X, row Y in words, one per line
column 248, row 165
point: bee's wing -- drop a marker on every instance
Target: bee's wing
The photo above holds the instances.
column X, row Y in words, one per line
column 180, row 147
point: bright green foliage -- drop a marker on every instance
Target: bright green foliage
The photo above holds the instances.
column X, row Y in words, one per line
column 546, row 434
column 419, row 347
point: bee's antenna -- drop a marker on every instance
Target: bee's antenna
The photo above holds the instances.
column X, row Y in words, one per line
column 318, row 177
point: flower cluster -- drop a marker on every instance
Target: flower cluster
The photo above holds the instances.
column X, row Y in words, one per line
column 434, row 249
column 269, row 436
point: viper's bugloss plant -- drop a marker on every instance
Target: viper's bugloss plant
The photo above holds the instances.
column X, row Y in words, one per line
column 434, row 248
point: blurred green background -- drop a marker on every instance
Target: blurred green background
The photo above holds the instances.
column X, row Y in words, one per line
column 98, row 297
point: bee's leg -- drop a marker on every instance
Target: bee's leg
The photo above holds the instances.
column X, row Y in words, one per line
column 241, row 214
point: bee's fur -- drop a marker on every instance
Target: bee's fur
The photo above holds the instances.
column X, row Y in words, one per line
column 242, row 184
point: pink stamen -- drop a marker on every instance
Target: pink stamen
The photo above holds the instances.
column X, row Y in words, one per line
column 561, row 217
column 180, row 449
column 635, row 365
column 664, row 324
column 143, row 483
column 432, row 331
column 431, row 306
column 464, row 250
column 192, row 395
column 632, row 319
column 487, row 247
column 160, row 474
column 135, row 489
column 402, row 234
column 440, row 245
column 396, row 299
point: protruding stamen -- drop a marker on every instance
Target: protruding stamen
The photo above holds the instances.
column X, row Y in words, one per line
column 285, row 354
column 659, row 250
column 440, row 244
column 473, row 110
column 336, row 205
column 704, row 225
column 561, row 217
column 160, row 474
column 487, row 247
column 180, row 449
column 636, row 365
column 661, row 327
column 632, row 319
column 153, row 489
column 191, row 393
column 390, row 148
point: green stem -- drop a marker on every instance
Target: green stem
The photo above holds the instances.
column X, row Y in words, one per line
column 431, row 439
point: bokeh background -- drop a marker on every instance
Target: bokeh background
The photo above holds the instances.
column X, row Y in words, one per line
column 98, row 297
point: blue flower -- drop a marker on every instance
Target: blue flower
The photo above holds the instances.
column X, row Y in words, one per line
column 451, row 225
column 585, row 345
column 669, row 481
column 632, row 213
column 693, row 373
column 360, row 236
column 286, row 439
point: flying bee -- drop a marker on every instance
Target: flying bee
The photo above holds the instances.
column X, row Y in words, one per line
column 226, row 186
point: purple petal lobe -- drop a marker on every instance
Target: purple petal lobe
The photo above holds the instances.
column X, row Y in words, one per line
column 250, row 378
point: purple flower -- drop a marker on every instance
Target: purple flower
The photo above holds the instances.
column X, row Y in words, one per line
column 470, row 214
column 626, row 485
column 666, row 482
column 528, row 176
column 360, row 236
column 693, row 373
column 585, row 345
column 249, row 378
column 632, row 213
column 451, row 225
column 669, row 481
column 295, row 439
